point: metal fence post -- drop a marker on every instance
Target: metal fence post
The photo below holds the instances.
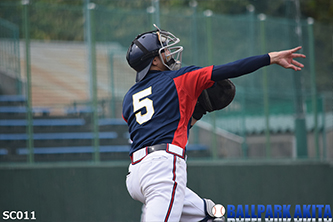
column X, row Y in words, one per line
column 209, row 14
column 262, row 19
column 300, row 123
column 156, row 5
column 194, row 33
column 313, row 84
column 90, row 33
column 30, row 141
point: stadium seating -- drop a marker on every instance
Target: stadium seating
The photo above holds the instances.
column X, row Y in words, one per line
column 57, row 138
column 68, row 137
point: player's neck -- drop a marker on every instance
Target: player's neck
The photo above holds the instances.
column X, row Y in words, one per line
column 158, row 68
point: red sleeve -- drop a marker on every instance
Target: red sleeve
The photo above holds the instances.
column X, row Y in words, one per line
column 194, row 82
column 189, row 87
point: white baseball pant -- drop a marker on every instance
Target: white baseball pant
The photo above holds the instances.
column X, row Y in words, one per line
column 159, row 182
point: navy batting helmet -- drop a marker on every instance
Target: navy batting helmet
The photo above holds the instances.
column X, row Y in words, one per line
column 147, row 45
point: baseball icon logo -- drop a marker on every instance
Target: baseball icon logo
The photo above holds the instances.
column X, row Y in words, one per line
column 218, row 210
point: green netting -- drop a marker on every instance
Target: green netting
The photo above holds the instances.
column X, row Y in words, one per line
column 62, row 36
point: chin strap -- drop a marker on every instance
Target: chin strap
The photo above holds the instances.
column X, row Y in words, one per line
column 174, row 64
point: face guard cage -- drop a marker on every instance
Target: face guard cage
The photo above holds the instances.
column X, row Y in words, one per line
column 172, row 53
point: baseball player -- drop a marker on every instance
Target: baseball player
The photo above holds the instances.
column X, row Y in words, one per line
column 161, row 108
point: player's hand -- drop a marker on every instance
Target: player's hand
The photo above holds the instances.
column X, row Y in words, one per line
column 286, row 58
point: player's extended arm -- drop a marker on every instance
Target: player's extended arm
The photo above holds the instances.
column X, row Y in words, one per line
column 244, row 66
column 241, row 67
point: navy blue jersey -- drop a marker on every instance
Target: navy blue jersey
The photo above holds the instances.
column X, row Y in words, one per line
column 158, row 109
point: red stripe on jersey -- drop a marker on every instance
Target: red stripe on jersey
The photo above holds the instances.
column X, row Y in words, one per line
column 189, row 87
column 124, row 118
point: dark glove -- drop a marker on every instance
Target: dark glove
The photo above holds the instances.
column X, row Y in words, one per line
column 217, row 97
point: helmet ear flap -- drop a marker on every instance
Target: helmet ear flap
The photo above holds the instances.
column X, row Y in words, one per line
column 128, row 52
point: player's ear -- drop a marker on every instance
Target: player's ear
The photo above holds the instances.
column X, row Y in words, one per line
column 156, row 61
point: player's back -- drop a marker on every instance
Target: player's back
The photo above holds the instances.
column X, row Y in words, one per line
column 158, row 109
column 151, row 109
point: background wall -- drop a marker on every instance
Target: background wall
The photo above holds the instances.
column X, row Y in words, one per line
column 97, row 192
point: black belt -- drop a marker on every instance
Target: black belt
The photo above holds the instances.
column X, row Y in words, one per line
column 157, row 147
column 138, row 155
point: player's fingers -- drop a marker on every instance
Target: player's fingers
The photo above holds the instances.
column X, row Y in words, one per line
column 296, row 49
column 298, row 55
column 297, row 63
column 294, row 67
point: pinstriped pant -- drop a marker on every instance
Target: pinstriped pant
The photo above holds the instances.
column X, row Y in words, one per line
column 159, row 182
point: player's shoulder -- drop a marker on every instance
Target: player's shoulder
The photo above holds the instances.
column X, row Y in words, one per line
column 182, row 71
column 142, row 85
column 187, row 69
column 158, row 77
column 134, row 88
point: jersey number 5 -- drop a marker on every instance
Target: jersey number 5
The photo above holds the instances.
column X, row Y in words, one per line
column 139, row 102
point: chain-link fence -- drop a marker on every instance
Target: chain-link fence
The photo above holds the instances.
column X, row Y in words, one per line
column 72, row 59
